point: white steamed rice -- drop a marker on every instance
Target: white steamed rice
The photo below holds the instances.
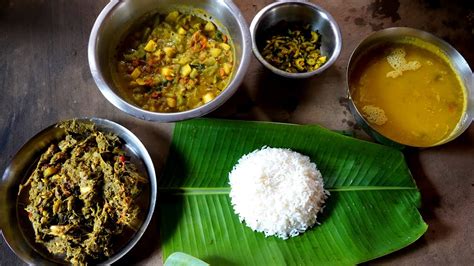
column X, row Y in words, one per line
column 277, row 191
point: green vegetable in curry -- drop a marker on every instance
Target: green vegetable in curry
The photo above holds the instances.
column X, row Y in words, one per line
column 174, row 62
column 293, row 48
column 82, row 193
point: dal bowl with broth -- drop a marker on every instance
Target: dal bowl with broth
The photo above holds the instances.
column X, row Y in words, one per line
column 408, row 87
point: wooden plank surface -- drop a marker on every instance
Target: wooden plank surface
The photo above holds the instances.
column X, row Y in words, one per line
column 45, row 77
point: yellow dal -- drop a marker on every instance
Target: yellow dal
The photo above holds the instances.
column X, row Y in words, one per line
column 422, row 106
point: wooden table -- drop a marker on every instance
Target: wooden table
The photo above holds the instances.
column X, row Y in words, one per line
column 44, row 78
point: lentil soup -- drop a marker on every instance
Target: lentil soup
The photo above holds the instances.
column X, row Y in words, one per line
column 409, row 92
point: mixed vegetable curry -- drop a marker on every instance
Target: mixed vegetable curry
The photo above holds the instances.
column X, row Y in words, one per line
column 82, row 194
column 175, row 62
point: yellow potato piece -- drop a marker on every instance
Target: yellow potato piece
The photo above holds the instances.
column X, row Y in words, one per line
column 215, row 52
column 224, row 46
column 169, row 51
column 172, row 16
column 185, row 70
column 136, row 73
column 171, row 102
column 208, row 97
column 140, row 82
column 166, row 71
column 209, row 27
column 150, row 46
column 181, row 31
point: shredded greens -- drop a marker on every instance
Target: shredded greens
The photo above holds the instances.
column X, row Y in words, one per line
column 82, row 193
column 293, row 48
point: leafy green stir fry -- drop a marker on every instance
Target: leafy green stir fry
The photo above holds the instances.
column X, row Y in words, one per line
column 82, row 193
column 293, row 48
column 175, row 62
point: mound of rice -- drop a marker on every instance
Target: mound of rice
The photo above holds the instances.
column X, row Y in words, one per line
column 277, row 191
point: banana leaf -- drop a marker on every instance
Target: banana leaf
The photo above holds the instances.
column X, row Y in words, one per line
column 372, row 209
column 182, row 259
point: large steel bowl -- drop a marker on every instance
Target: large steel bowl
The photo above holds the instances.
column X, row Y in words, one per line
column 119, row 15
column 14, row 223
column 391, row 35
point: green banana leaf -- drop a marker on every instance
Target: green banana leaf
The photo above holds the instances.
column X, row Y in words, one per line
column 182, row 259
column 372, row 210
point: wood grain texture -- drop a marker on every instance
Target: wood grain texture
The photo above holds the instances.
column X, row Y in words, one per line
column 44, row 77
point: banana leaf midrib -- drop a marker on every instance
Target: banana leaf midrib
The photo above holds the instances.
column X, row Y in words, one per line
column 226, row 190
column 372, row 210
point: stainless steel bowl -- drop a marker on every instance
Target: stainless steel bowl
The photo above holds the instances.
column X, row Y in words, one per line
column 16, row 228
column 118, row 16
column 300, row 11
column 390, row 35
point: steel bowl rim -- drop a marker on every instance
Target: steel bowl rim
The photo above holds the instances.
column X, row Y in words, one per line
column 135, row 111
column 148, row 163
column 338, row 38
column 370, row 130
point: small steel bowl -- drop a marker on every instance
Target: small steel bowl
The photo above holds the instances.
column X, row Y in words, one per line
column 116, row 19
column 390, row 35
column 14, row 223
column 300, row 11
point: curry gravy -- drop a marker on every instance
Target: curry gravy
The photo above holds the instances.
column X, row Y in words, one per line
column 408, row 92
